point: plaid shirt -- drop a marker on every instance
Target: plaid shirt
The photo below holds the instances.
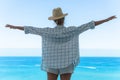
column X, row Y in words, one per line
column 60, row 45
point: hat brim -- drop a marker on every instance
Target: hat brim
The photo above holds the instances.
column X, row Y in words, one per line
column 55, row 18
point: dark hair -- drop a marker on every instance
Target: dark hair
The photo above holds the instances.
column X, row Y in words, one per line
column 59, row 21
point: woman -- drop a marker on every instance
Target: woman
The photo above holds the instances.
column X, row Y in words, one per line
column 60, row 45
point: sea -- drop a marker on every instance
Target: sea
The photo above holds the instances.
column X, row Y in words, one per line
column 89, row 68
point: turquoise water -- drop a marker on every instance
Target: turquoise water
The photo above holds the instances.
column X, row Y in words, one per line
column 90, row 68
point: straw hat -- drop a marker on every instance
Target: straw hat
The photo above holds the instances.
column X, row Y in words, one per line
column 57, row 14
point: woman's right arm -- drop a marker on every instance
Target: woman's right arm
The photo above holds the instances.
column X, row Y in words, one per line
column 14, row 27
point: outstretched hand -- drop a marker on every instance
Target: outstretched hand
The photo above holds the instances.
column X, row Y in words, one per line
column 112, row 17
column 9, row 26
column 14, row 27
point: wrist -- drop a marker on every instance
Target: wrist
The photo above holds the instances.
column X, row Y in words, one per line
column 13, row 27
column 106, row 20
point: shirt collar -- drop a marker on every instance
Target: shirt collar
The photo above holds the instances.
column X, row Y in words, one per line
column 59, row 26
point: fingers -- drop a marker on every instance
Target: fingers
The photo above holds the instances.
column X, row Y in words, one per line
column 7, row 25
column 112, row 17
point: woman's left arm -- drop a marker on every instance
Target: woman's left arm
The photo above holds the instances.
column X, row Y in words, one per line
column 104, row 20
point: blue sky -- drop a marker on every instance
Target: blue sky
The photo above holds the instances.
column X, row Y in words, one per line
column 36, row 13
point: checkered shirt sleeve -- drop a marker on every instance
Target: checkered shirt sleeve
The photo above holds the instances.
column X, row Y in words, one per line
column 34, row 30
column 85, row 27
